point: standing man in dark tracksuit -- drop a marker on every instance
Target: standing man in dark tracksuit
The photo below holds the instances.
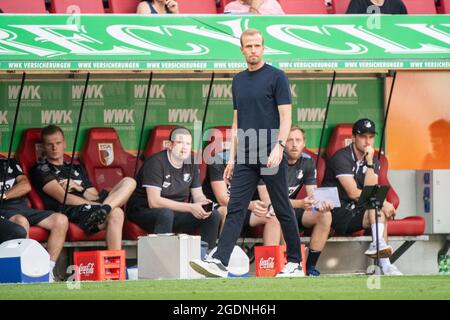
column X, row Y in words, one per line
column 261, row 124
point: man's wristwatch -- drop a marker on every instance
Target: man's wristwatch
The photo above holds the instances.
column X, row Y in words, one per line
column 370, row 166
column 281, row 143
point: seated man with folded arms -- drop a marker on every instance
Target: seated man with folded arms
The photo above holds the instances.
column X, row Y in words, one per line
column 165, row 181
column 85, row 206
column 15, row 208
column 350, row 169
column 218, row 191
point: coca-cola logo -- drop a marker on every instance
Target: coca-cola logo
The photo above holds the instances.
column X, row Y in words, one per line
column 268, row 263
column 86, row 269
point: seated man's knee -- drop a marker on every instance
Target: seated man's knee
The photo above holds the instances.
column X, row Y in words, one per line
column 164, row 215
column 129, row 182
column 20, row 220
column 215, row 216
column 325, row 218
column 60, row 221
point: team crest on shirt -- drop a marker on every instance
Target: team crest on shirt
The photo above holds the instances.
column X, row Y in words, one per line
column 106, row 153
column 187, row 177
column 300, row 174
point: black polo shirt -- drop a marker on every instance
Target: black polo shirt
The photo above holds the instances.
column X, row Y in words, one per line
column 12, row 172
column 303, row 172
column 158, row 172
column 43, row 172
column 345, row 163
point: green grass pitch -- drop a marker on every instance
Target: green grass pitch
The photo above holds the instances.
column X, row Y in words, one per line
column 324, row 287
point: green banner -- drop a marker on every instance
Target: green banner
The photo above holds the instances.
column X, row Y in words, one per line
column 120, row 104
column 131, row 42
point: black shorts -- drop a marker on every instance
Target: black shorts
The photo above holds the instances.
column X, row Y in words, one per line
column 299, row 215
column 347, row 221
column 78, row 214
column 33, row 216
column 246, row 226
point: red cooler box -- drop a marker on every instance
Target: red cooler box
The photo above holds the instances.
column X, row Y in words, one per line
column 100, row 265
column 270, row 260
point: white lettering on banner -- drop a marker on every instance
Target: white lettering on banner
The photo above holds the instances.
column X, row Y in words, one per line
column 86, row 269
column 118, row 116
column 124, row 33
column 8, row 37
column 293, row 88
column 183, row 115
column 74, row 42
column 343, row 90
column 284, row 33
column 28, row 92
column 388, row 45
column 218, row 91
column 93, row 92
column 156, row 91
column 269, row 263
column 3, row 117
column 310, row 114
column 236, row 29
column 429, row 31
column 56, row 116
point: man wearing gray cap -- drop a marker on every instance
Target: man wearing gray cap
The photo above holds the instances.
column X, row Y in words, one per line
column 350, row 169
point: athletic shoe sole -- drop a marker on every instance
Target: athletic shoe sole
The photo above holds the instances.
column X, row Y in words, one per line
column 384, row 253
column 198, row 267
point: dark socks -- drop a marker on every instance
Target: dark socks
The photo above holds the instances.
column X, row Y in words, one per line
column 313, row 256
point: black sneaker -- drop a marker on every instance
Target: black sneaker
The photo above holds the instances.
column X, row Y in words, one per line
column 95, row 216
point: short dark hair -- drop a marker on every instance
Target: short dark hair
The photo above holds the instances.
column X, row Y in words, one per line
column 178, row 130
column 49, row 130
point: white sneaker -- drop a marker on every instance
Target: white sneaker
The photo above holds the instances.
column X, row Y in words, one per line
column 384, row 249
column 392, row 270
column 210, row 268
column 291, row 269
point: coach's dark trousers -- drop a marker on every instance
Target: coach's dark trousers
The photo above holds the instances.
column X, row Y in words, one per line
column 243, row 185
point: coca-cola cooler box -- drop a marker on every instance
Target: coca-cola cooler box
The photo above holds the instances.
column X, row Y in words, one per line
column 270, row 260
column 100, row 265
column 167, row 256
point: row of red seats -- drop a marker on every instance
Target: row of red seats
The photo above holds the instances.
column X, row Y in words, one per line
column 203, row 6
column 105, row 176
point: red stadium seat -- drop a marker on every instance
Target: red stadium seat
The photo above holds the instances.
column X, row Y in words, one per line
column 132, row 231
column 75, row 233
column 39, row 234
column 197, row 6
column 104, row 158
column 420, row 6
column 444, row 8
column 341, row 137
column 123, row 6
column 340, row 6
column 158, row 140
column 23, row 6
column 30, row 150
column 304, row 6
column 76, row 6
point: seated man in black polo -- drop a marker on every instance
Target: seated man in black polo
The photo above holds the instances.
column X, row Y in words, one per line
column 159, row 205
column 302, row 171
column 15, row 208
column 350, row 169
column 85, row 206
